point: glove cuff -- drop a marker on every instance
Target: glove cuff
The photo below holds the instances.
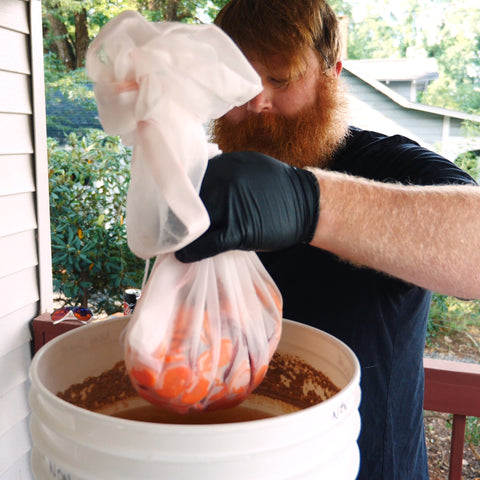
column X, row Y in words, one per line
column 311, row 190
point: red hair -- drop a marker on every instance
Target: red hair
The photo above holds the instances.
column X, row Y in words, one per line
column 264, row 28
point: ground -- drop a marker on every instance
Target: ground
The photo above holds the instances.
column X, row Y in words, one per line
column 457, row 346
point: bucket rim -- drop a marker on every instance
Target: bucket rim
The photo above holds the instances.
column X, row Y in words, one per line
column 350, row 389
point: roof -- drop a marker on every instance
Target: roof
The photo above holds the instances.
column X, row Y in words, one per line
column 352, row 67
column 65, row 116
column 399, row 69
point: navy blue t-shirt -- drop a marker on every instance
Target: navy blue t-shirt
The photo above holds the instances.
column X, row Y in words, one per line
column 381, row 318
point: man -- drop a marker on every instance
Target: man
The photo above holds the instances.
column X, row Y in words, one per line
column 354, row 227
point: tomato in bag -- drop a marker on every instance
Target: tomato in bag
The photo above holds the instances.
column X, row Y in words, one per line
column 202, row 334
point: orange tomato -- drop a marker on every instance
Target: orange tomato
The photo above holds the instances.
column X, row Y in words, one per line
column 197, row 392
column 175, row 380
column 218, row 391
column 226, row 350
column 145, row 376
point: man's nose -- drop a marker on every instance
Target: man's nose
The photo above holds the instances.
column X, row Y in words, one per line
column 261, row 103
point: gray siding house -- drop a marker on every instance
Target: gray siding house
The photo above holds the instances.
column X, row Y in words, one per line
column 406, row 76
column 376, row 106
column 25, row 262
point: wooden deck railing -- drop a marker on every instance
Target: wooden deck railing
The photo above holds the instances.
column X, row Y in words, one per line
column 453, row 387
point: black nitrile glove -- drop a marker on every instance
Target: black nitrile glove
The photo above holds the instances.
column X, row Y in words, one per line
column 255, row 203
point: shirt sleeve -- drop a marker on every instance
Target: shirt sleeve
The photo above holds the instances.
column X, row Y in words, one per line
column 397, row 159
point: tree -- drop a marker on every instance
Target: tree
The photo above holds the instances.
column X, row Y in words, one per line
column 389, row 30
column 372, row 38
column 445, row 30
column 70, row 25
column 179, row 10
column 456, row 51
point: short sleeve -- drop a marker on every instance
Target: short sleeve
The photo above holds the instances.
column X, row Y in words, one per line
column 396, row 159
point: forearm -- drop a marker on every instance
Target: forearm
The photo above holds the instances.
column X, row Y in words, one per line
column 429, row 236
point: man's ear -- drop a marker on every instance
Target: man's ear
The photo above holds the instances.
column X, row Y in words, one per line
column 338, row 68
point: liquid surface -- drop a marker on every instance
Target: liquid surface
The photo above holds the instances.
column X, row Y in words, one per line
column 154, row 414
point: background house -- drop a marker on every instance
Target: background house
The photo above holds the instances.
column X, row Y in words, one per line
column 65, row 116
column 25, row 264
column 406, row 76
column 384, row 105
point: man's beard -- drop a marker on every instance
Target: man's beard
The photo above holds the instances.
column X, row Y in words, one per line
column 310, row 138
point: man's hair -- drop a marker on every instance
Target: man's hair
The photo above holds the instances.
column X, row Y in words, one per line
column 264, row 28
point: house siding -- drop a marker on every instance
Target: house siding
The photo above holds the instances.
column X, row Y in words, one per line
column 456, row 128
column 423, row 125
column 402, row 88
column 438, row 129
column 25, row 258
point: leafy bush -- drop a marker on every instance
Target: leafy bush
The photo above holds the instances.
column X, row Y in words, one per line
column 451, row 314
column 472, row 433
column 470, row 162
column 92, row 264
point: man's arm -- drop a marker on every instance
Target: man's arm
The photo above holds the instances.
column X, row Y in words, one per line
column 425, row 235
column 429, row 236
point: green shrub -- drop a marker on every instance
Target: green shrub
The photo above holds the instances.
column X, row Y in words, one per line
column 469, row 162
column 92, row 264
column 451, row 314
column 472, row 433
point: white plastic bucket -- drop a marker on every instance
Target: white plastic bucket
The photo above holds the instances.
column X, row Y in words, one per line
column 72, row 443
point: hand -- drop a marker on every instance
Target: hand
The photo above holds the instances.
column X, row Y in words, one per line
column 255, row 203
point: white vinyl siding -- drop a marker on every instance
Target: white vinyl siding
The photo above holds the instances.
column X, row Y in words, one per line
column 25, row 259
column 16, row 133
column 14, row 15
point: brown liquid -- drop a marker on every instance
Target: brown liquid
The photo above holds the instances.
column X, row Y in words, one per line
column 154, row 414
column 290, row 385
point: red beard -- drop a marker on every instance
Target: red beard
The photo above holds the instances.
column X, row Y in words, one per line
column 310, row 138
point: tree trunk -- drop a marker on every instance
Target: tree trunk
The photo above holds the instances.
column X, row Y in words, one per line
column 173, row 10
column 61, row 45
column 81, row 38
column 170, row 10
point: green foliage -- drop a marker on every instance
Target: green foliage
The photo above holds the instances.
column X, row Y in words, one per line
column 73, row 85
column 445, row 30
column 64, row 12
column 451, row 314
column 189, row 11
column 472, row 430
column 92, row 264
column 458, row 43
column 469, row 162
column 372, row 38
column 437, row 315
column 341, row 7
column 70, row 100
column 472, row 433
